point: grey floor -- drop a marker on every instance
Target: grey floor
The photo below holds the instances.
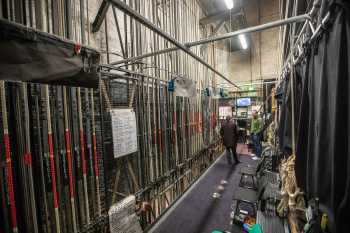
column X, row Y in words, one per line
column 197, row 211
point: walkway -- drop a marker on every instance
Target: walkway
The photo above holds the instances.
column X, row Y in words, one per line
column 197, row 211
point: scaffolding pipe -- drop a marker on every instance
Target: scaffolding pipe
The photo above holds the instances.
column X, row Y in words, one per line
column 266, row 26
column 134, row 14
column 101, row 15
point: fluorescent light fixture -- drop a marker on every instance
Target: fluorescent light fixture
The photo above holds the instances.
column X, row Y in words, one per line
column 229, row 4
column 243, row 41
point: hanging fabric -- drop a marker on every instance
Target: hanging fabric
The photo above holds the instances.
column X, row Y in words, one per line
column 284, row 129
column 323, row 136
column 29, row 55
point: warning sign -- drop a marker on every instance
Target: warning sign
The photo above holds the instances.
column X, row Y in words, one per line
column 124, row 132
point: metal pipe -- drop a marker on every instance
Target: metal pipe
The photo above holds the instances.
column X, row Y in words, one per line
column 302, row 31
column 132, row 13
column 311, row 27
column 315, row 7
column 253, row 84
column 266, row 26
column 132, row 74
column 223, row 15
column 316, row 32
column 269, row 25
column 312, row 14
column 306, row 24
column 318, row 29
column 101, row 15
column 218, row 26
column 321, row 10
column 118, row 31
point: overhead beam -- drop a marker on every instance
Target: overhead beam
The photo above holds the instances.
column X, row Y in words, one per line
column 295, row 19
column 217, row 27
column 138, row 17
column 222, row 15
column 226, row 28
column 101, row 15
column 273, row 24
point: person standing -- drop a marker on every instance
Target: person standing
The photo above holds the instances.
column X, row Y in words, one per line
column 255, row 131
column 229, row 133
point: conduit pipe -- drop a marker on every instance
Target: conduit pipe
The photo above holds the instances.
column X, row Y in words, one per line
column 138, row 17
column 186, row 47
column 266, row 26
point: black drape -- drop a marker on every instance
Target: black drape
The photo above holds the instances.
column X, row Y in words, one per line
column 285, row 126
column 32, row 56
column 285, row 123
column 323, row 135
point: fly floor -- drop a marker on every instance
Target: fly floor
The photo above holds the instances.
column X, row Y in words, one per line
column 197, row 211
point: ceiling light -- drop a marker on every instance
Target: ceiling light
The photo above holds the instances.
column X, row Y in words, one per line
column 243, row 41
column 229, row 4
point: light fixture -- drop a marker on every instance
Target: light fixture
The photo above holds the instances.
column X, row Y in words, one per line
column 229, row 4
column 243, row 41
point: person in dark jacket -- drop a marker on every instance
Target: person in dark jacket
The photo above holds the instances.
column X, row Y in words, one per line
column 256, row 131
column 229, row 133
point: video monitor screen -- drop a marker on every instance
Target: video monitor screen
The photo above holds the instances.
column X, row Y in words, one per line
column 243, row 102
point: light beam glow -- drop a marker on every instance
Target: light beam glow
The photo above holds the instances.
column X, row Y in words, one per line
column 243, row 41
column 229, row 4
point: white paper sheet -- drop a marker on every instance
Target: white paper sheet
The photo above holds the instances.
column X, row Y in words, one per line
column 124, row 132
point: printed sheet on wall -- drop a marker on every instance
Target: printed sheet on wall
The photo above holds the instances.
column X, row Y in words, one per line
column 124, row 132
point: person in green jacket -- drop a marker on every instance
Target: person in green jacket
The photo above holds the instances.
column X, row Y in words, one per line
column 255, row 132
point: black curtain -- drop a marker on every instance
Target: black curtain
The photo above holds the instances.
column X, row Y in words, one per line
column 285, row 123
column 285, row 96
column 33, row 56
column 323, row 135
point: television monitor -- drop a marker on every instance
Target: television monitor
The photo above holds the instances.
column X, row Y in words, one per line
column 243, row 102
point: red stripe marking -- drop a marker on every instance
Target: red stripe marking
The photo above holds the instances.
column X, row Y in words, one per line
column 10, row 181
column 27, row 159
column 77, row 48
column 82, row 147
column 69, row 160
column 53, row 171
column 97, row 173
